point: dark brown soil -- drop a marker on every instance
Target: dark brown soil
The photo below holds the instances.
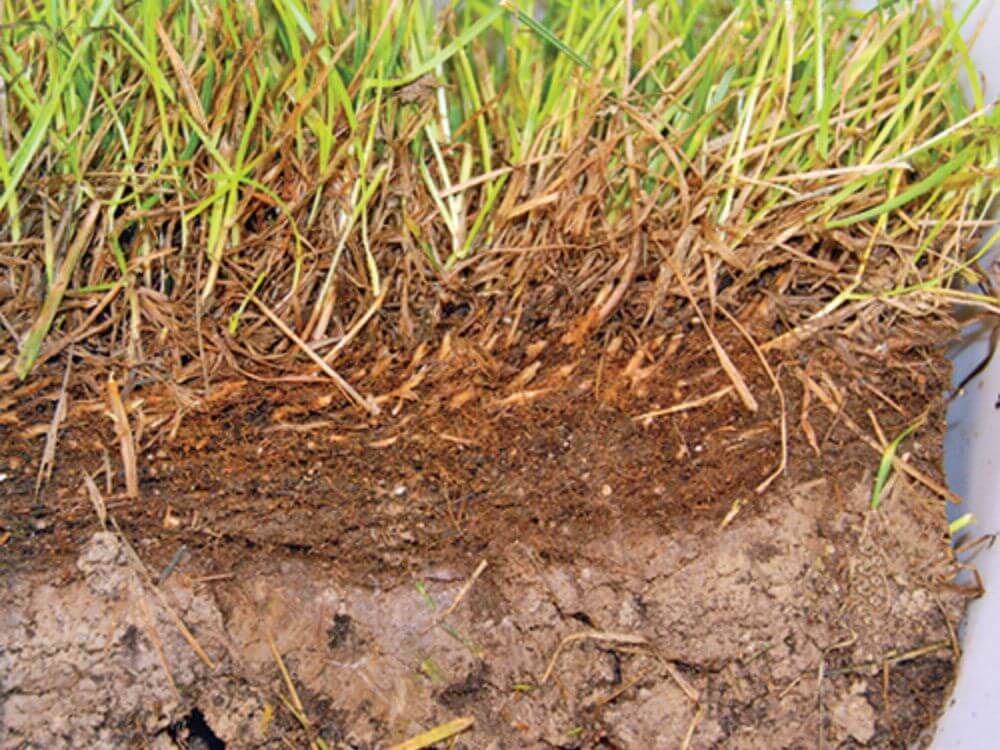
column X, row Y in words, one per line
column 709, row 614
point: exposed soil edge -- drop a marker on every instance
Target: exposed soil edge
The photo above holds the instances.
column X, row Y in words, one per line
column 778, row 628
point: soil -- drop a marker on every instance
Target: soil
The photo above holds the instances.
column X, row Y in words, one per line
column 645, row 585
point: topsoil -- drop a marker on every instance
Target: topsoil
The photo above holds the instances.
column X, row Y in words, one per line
column 292, row 573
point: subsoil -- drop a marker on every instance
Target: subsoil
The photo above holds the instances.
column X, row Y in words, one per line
column 644, row 586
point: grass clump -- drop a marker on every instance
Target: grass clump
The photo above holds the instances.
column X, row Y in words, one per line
column 190, row 183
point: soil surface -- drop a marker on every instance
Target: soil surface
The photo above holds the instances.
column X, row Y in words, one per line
column 529, row 551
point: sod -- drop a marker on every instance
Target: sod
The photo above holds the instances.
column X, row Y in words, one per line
column 376, row 374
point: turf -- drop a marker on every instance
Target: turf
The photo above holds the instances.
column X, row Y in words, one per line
column 275, row 185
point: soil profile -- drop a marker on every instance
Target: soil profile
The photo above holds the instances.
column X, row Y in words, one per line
column 545, row 559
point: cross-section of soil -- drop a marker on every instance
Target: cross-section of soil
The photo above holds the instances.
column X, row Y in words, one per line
column 549, row 561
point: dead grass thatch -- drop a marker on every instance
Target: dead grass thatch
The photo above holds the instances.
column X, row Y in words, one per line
column 293, row 191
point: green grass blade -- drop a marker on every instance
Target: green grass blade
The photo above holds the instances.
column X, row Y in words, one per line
column 885, row 465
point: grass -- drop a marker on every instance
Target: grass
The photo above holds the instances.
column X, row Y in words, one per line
column 885, row 464
column 176, row 172
column 296, row 189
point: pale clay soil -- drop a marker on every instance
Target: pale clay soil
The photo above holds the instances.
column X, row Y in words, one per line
column 782, row 630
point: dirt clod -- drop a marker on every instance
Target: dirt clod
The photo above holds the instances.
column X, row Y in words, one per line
column 854, row 715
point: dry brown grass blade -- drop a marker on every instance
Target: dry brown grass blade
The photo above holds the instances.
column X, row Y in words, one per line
column 521, row 397
column 96, row 499
column 33, row 341
column 295, row 704
column 897, row 462
column 373, row 46
column 806, row 425
column 140, row 569
column 314, row 744
column 317, row 424
column 292, row 692
column 684, row 406
column 699, row 712
column 462, row 186
column 814, row 325
column 461, row 594
column 667, row 149
column 533, row 203
column 437, row 734
column 346, row 388
column 154, row 637
column 742, row 390
column 86, row 328
column 603, row 700
column 52, row 436
column 184, row 77
column 289, row 127
column 356, row 328
column 590, row 635
column 628, row 274
column 696, row 64
column 683, row 684
column 123, row 432
column 781, row 400
column 283, row 669
column 665, row 50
